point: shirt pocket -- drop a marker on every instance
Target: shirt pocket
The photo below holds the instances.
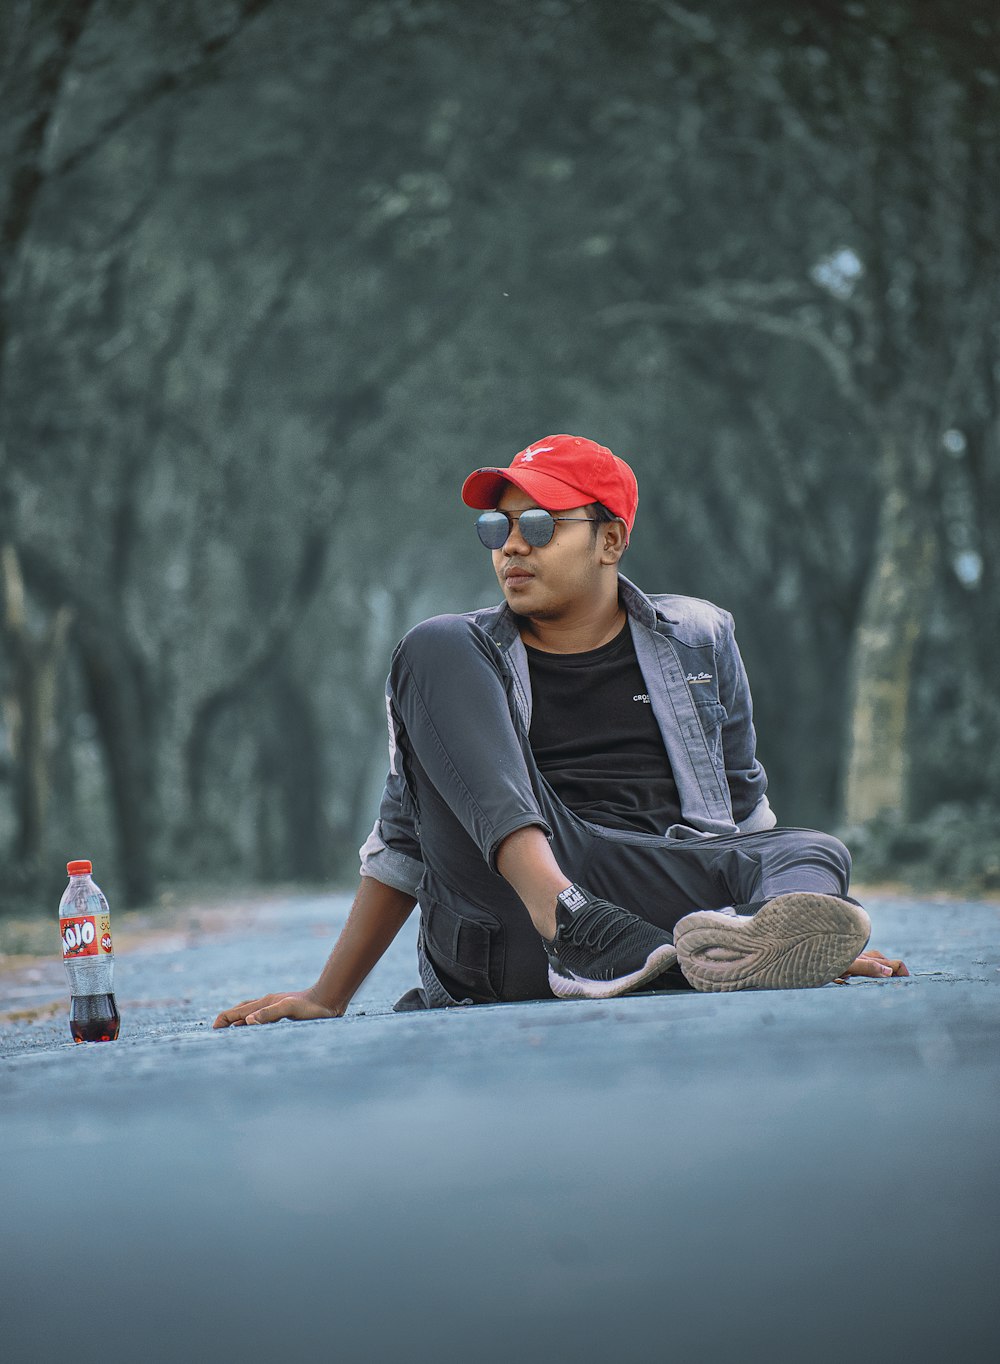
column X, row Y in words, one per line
column 712, row 716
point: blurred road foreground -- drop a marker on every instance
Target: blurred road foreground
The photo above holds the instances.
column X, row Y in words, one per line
column 796, row 1176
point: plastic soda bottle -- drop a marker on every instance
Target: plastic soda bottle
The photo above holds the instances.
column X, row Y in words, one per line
column 85, row 928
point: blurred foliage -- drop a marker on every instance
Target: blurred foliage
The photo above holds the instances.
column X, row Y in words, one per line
column 275, row 277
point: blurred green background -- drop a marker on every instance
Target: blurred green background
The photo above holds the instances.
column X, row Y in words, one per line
column 276, row 276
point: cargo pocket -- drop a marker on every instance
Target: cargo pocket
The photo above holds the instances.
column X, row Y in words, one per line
column 465, row 944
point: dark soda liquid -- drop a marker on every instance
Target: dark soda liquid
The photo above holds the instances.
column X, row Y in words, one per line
column 94, row 1018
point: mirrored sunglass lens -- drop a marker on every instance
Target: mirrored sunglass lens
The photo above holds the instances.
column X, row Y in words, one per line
column 536, row 526
column 493, row 528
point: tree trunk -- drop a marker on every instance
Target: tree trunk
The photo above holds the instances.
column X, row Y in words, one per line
column 126, row 725
column 893, row 608
column 32, row 708
column 290, row 769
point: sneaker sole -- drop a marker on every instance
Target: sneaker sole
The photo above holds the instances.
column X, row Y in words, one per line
column 580, row 987
column 794, row 942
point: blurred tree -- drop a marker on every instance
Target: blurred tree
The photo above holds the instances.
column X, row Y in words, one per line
column 43, row 49
column 882, row 112
column 31, row 708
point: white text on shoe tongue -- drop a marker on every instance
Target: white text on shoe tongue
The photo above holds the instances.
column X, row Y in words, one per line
column 572, row 899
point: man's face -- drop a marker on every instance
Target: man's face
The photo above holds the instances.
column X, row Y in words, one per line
column 548, row 581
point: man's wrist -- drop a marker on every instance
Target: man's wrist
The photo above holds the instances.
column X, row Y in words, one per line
column 337, row 1007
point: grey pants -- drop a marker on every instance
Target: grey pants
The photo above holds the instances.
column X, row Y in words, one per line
column 473, row 779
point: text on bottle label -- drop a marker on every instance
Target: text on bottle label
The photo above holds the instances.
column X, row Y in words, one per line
column 86, row 936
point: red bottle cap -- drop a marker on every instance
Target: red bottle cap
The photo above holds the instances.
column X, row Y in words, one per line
column 79, row 868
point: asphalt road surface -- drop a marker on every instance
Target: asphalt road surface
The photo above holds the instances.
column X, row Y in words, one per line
column 785, row 1176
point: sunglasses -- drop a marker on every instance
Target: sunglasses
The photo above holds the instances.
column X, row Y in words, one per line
column 536, row 525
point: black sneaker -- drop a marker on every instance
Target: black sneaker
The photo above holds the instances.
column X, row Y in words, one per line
column 601, row 950
column 793, row 942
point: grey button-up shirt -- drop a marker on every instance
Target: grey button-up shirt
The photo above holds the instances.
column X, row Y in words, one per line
column 698, row 692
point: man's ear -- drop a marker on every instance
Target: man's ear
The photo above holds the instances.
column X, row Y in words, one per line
column 612, row 534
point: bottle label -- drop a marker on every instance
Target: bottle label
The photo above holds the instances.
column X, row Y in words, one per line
column 88, row 935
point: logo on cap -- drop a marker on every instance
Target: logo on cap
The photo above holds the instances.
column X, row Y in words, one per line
column 526, row 456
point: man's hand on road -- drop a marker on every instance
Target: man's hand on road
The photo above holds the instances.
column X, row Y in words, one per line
column 875, row 963
column 301, row 1004
column 377, row 915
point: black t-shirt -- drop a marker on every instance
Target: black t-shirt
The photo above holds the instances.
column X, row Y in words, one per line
column 596, row 740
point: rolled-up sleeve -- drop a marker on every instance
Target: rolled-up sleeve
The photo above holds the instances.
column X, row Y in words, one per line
column 391, row 853
column 744, row 773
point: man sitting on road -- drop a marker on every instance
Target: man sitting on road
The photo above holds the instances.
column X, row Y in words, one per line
column 574, row 797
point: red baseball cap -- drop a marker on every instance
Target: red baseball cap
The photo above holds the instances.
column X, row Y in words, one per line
column 560, row 472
